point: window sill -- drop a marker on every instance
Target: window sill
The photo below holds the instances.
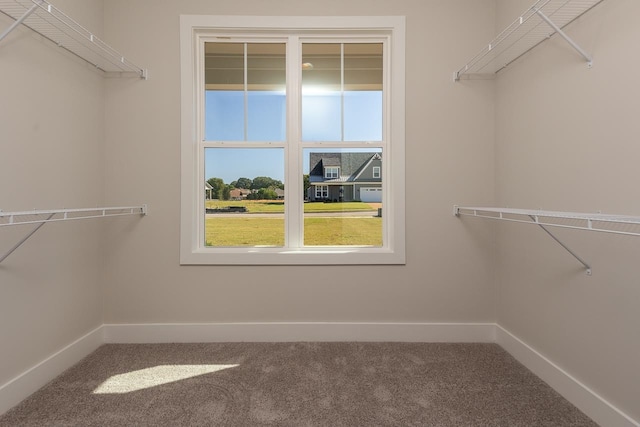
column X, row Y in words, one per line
column 283, row 256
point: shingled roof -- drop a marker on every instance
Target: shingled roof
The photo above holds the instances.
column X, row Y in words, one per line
column 349, row 163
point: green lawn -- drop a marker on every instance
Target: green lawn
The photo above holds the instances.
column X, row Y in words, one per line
column 277, row 206
column 329, row 231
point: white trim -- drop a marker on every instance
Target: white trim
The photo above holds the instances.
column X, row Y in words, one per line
column 585, row 399
column 390, row 30
column 20, row 387
column 299, row 331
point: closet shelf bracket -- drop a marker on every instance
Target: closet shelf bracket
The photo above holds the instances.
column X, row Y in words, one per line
column 580, row 260
column 568, row 39
column 526, row 32
column 605, row 223
column 41, row 217
column 51, row 23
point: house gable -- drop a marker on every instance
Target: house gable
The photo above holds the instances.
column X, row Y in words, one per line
column 351, row 166
column 365, row 173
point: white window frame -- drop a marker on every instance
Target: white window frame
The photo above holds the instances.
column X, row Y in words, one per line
column 376, row 171
column 331, row 172
column 194, row 29
column 322, row 191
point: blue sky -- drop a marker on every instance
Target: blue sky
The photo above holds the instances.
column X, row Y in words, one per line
column 225, row 121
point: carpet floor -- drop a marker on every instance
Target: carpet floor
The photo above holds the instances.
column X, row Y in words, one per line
column 297, row 384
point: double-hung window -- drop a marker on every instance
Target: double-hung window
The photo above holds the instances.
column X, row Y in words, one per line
column 288, row 125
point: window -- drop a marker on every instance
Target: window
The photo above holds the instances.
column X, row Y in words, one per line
column 322, row 191
column 331, row 172
column 269, row 114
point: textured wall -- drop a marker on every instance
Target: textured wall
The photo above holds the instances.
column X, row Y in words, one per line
column 448, row 276
column 51, row 141
column 566, row 139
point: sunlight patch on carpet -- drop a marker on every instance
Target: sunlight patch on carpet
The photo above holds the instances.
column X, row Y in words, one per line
column 155, row 376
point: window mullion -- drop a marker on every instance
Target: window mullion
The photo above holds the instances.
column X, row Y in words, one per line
column 341, row 91
column 246, row 95
column 293, row 150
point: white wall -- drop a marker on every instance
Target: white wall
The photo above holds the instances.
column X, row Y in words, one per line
column 51, row 145
column 566, row 139
column 448, row 276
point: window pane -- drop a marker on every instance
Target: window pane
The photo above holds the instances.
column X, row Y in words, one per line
column 321, row 92
column 224, row 97
column 239, row 110
column 363, row 91
column 244, row 197
column 343, row 197
column 266, row 101
column 224, row 116
column 363, row 116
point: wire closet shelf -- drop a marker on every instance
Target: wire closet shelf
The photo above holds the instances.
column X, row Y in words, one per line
column 615, row 224
column 50, row 22
column 55, row 215
column 606, row 223
column 41, row 217
column 543, row 19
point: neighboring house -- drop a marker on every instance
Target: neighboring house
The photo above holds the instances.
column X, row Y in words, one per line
column 239, row 194
column 280, row 193
column 345, row 177
column 208, row 191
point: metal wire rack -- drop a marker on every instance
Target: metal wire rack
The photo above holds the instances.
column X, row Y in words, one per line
column 45, row 19
column 536, row 24
column 605, row 223
column 41, row 217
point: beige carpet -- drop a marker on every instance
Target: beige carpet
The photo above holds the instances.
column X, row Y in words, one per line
column 297, row 384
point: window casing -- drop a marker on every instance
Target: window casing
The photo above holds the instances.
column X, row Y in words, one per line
column 376, row 171
column 198, row 30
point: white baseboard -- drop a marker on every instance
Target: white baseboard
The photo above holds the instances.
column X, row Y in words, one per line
column 585, row 399
column 305, row 331
column 19, row 388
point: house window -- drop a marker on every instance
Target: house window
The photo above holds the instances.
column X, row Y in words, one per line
column 322, row 191
column 331, row 172
column 266, row 103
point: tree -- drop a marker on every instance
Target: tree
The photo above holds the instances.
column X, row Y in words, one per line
column 242, row 183
column 217, row 185
column 226, row 192
column 305, row 185
column 266, row 182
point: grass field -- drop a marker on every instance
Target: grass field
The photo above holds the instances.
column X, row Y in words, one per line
column 322, row 231
column 277, row 206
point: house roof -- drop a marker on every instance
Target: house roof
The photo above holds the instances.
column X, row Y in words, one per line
column 350, row 165
column 330, row 161
column 239, row 192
